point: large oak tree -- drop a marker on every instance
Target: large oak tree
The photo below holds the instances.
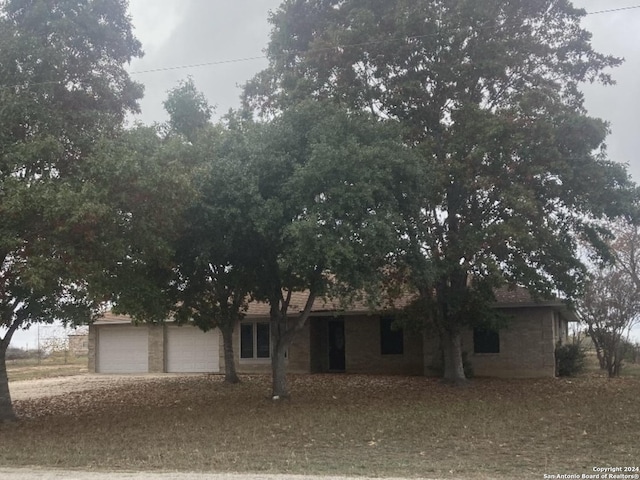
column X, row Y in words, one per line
column 513, row 170
column 63, row 86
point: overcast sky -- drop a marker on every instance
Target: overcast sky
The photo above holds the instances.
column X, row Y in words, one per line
column 178, row 33
column 229, row 36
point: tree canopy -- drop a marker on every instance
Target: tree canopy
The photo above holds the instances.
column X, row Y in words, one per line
column 513, row 171
column 63, row 87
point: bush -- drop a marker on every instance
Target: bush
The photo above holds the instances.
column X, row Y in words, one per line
column 570, row 360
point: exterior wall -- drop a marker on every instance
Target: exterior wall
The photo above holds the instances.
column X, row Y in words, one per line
column 298, row 358
column 432, row 357
column 157, row 335
column 527, row 347
column 362, row 349
column 93, row 343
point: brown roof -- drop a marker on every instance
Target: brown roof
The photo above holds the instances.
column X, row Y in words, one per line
column 505, row 298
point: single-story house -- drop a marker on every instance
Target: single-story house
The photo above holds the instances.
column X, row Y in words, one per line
column 352, row 341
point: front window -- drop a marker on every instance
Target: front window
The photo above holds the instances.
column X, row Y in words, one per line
column 255, row 340
column 391, row 337
column 486, row 340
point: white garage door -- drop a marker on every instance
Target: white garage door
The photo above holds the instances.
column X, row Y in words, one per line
column 190, row 350
column 123, row 349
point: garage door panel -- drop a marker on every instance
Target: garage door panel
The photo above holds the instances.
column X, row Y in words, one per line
column 123, row 349
column 190, row 350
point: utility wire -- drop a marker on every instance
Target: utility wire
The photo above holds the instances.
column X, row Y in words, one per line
column 614, row 10
column 260, row 57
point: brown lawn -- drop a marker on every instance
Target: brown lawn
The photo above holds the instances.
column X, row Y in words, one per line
column 343, row 424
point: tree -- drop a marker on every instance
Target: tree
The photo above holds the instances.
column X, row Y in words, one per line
column 325, row 219
column 63, row 86
column 218, row 252
column 610, row 308
column 191, row 260
column 513, row 172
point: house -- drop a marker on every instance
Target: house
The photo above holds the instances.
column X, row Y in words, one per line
column 334, row 340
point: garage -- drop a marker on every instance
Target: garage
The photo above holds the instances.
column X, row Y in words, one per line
column 122, row 349
column 190, row 350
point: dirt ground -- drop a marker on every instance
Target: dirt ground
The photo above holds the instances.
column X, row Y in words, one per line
column 51, row 387
column 32, row 474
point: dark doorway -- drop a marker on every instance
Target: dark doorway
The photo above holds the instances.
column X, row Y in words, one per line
column 336, row 346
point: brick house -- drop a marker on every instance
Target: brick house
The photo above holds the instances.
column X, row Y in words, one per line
column 333, row 340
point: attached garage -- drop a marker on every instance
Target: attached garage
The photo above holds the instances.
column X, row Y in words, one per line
column 122, row 349
column 190, row 350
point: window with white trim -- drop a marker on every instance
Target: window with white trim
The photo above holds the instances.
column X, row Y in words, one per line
column 255, row 340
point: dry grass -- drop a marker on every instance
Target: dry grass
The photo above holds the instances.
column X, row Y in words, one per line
column 53, row 366
column 362, row 425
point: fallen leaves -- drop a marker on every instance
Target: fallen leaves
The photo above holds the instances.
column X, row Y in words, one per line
column 365, row 425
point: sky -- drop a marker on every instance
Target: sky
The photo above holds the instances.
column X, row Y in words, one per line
column 220, row 44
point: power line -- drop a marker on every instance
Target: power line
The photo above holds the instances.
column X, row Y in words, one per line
column 260, row 57
column 196, row 65
column 614, row 10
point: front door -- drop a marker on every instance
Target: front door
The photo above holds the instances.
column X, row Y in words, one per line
column 336, row 346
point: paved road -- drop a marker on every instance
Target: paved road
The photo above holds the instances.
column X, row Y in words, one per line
column 36, row 474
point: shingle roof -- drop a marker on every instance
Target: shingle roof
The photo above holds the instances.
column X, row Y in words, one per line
column 505, row 298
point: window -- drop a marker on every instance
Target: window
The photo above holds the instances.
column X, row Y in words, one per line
column 391, row 337
column 255, row 340
column 486, row 340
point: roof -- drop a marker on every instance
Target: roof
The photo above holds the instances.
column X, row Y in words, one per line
column 507, row 297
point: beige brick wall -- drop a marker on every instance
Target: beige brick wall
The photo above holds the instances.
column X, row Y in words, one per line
column 298, row 360
column 157, row 335
column 93, row 343
column 362, row 349
column 527, row 347
column 432, row 354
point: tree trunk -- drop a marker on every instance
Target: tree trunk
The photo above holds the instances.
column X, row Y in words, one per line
column 6, row 407
column 230, row 374
column 452, row 349
column 280, row 385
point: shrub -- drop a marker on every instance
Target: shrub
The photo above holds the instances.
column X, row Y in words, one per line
column 570, row 360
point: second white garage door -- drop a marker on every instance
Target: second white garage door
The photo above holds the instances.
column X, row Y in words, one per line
column 123, row 349
column 190, row 350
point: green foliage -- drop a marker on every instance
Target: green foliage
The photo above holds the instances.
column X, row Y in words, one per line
column 188, row 109
column 512, row 174
column 63, row 88
column 570, row 360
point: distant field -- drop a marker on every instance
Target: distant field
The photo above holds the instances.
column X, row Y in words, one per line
column 340, row 424
column 56, row 365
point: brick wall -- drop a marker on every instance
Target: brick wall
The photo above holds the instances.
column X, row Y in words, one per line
column 527, row 346
column 362, row 349
column 157, row 335
column 298, row 360
column 93, row 343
